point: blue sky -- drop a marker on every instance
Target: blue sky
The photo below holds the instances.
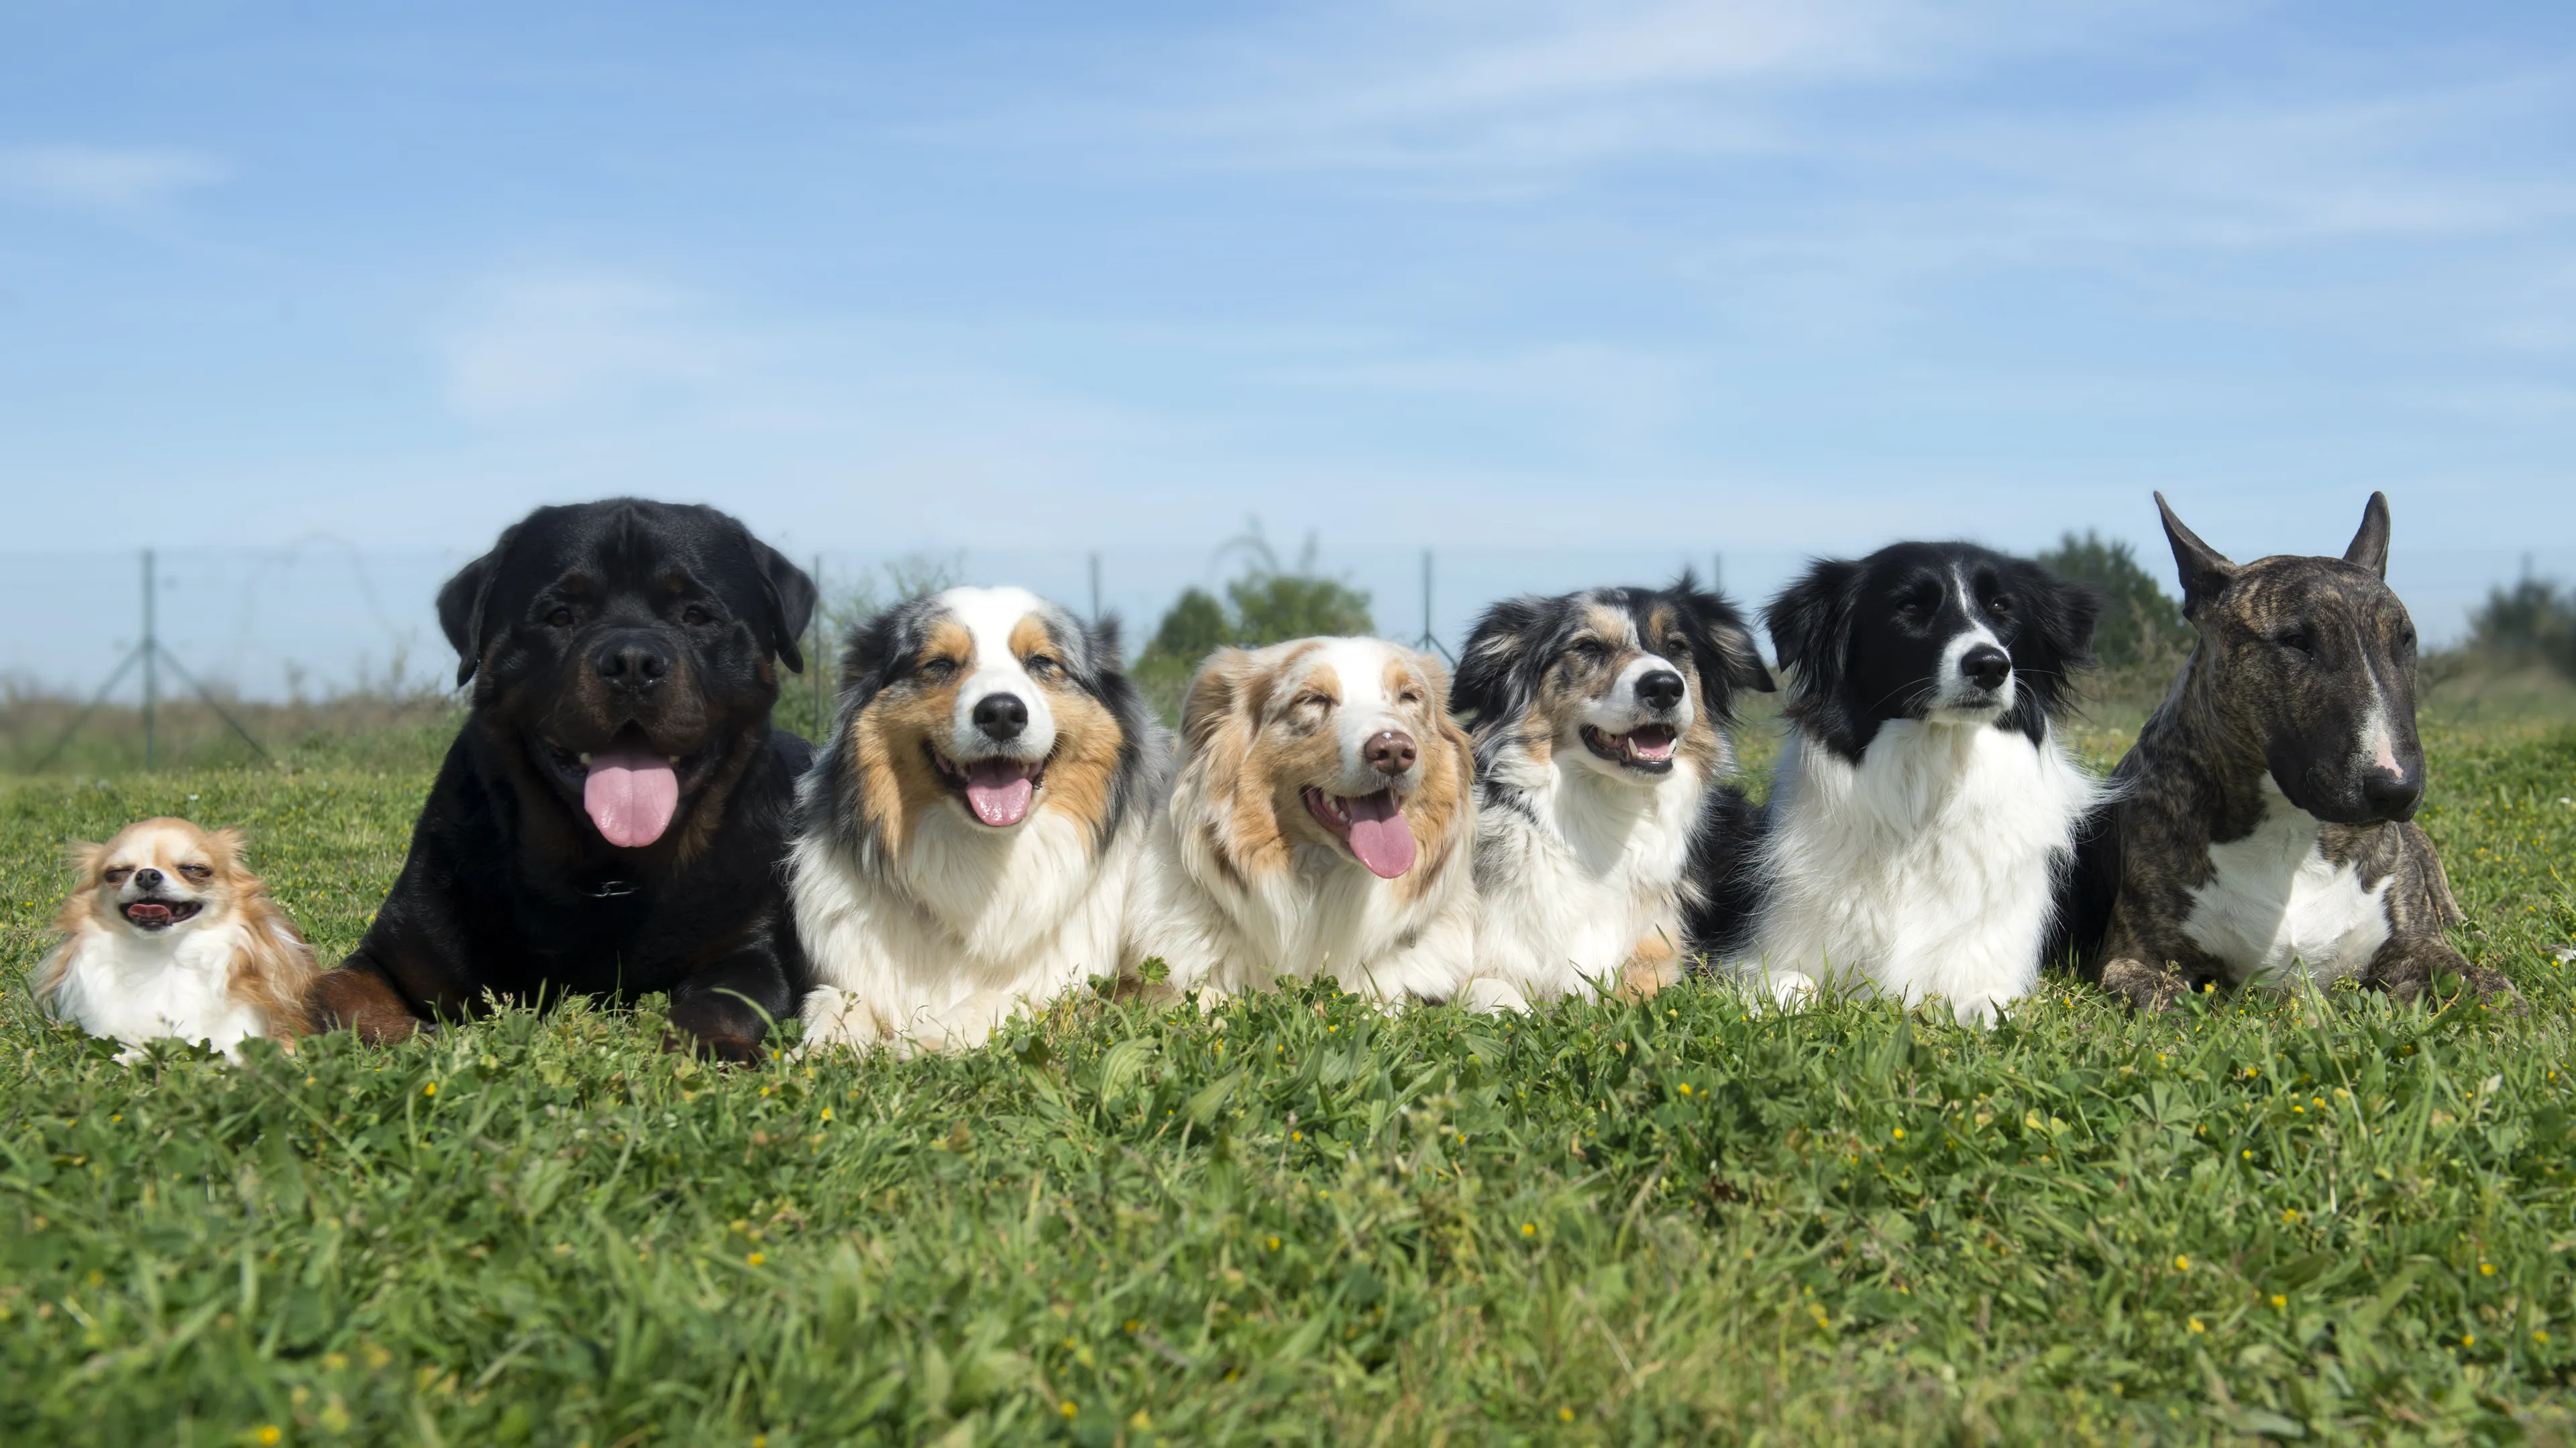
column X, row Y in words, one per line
column 1480, row 274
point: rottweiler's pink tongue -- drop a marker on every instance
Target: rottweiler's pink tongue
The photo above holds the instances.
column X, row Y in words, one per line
column 631, row 795
column 1379, row 835
column 999, row 790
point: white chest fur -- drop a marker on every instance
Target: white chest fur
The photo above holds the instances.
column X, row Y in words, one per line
column 1569, row 897
column 2275, row 907
column 139, row 988
column 1927, row 869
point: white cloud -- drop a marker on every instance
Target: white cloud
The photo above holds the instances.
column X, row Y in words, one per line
column 103, row 178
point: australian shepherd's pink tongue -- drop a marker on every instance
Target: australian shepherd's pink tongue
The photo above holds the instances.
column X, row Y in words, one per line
column 999, row 790
column 631, row 795
column 1379, row 835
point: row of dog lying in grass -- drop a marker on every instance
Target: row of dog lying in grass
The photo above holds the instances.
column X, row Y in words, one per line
column 996, row 819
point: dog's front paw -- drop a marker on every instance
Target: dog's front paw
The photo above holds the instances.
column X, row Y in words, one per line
column 1488, row 997
column 1789, row 990
column 837, row 1020
column 2145, row 987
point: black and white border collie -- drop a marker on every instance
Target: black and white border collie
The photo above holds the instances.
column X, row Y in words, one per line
column 971, row 831
column 1924, row 804
column 1599, row 720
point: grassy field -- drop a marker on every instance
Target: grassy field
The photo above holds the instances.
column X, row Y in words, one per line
column 1292, row 1220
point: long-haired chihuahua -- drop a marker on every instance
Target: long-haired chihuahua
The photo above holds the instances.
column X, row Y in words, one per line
column 170, row 935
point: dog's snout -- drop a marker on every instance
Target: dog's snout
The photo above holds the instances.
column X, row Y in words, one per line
column 148, row 878
column 1987, row 665
column 631, row 662
column 2391, row 794
column 1001, row 716
column 1391, row 751
column 1661, row 690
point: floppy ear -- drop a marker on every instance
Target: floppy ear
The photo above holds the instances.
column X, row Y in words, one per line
column 2065, row 613
column 1810, row 624
column 1498, row 669
column 2205, row 571
column 1729, row 660
column 463, row 601
column 788, row 596
column 2370, row 545
column 1216, row 691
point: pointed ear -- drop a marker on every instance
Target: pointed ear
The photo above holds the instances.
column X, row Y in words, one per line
column 788, row 596
column 1810, row 623
column 85, row 857
column 2370, row 545
column 2205, row 571
column 1217, row 691
column 463, row 605
column 229, row 841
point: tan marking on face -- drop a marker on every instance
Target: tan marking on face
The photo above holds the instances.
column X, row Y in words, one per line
column 1083, row 770
column 897, row 784
column 1436, row 809
column 274, row 968
column 1218, row 724
column 1295, row 745
column 1573, row 683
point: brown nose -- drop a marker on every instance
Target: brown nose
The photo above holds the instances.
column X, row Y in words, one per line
column 1391, row 752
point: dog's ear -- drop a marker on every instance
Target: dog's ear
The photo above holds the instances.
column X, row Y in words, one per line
column 229, row 846
column 1810, row 624
column 2205, row 571
column 1500, row 667
column 464, row 604
column 1107, row 635
column 2370, row 545
column 1223, row 685
column 1728, row 657
column 787, row 597
column 85, row 859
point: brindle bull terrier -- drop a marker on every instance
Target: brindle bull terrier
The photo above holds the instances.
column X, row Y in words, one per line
column 2261, row 830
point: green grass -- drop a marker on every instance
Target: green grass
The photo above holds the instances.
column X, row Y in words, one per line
column 1294, row 1220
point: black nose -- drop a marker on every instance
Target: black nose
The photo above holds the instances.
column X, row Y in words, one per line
column 631, row 663
column 2391, row 795
column 1662, row 689
column 1001, row 716
column 1988, row 665
column 148, row 878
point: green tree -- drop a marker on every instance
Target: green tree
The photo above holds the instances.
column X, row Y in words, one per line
column 2141, row 624
column 2529, row 623
column 1264, row 604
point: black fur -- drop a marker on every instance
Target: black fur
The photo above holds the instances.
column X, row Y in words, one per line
column 883, row 650
column 1864, row 638
column 509, row 889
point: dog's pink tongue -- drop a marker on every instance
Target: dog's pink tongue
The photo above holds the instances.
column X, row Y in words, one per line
column 1379, row 835
column 999, row 790
column 631, row 795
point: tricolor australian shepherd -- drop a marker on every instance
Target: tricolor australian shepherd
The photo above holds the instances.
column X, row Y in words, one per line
column 1321, row 823
column 1924, row 804
column 1599, row 722
column 970, row 832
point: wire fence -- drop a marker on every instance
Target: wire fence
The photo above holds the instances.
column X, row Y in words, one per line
column 270, row 632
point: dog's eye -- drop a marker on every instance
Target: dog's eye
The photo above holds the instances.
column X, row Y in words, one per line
column 196, row 872
column 561, row 617
column 2406, row 641
column 937, row 670
column 1916, row 610
column 1314, row 701
column 2297, row 640
column 1409, row 696
column 119, row 875
column 2001, row 603
column 695, row 616
column 1591, row 651
column 1676, row 649
column 1039, row 665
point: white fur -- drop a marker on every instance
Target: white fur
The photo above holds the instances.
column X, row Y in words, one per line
column 941, row 940
column 1597, row 875
column 140, row 987
column 1323, row 915
column 2276, row 910
column 1926, row 870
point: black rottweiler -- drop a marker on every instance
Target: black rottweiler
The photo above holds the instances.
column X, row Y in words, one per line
column 613, row 816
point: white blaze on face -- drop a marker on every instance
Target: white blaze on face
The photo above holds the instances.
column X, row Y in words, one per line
column 2378, row 738
column 1953, row 691
column 1620, row 710
column 990, row 615
column 1366, row 711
